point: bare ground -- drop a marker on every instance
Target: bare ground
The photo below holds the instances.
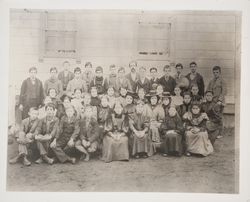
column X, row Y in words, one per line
column 212, row 174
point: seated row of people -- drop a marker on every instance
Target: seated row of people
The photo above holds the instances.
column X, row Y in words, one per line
column 131, row 124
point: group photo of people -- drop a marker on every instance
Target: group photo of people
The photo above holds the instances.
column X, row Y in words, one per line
column 82, row 115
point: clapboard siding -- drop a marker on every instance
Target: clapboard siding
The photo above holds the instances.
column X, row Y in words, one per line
column 111, row 37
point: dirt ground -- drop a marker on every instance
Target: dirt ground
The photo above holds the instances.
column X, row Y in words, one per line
column 212, row 174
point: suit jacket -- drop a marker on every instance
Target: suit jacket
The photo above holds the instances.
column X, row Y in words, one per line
column 89, row 132
column 132, row 82
column 45, row 127
column 197, row 80
column 26, row 95
column 145, row 85
column 65, row 79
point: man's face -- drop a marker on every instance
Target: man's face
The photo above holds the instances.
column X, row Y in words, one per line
column 142, row 72
column 209, row 97
column 153, row 73
column 121, row 74
column 77, row 74
column 53, row 74
column 133, row 67
column 98, row 74
column 193, row 68
column 195, row 90
column 167, row 71
column 178, row 69
column 50, row 111
column 66, row 66
column 113, row 70
column 216, row 73
column 33, row 74
column 33, row 114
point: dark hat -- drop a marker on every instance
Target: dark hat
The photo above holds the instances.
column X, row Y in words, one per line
column 166, row 94
column 131, row 93
column 152, row 93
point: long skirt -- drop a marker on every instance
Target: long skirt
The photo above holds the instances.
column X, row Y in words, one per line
column 142, row 145
column 198, row 143
column 172, row 143
column 115, row 150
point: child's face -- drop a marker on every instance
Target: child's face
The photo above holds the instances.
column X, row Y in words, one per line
column 66, row 103
column 195, row 109
column 52, row 93
column 159, row 90
column 104, row 102
column 93, row 92
column 123, row 91
column 141, row 93
column 70, row 112
column 194, row 90
column 139, row 108
column 77, row 74
column 78, row 94
column 165, row 101
column 129, row 99
column 87, row 99
column 50, row 111
column 111, row 91
column 209, row 97
column 187, row 99
column 47, row 100
column 118, row 109
column 177, row 91
column 88, row 112
column 33, row 114
column 172, row 112
column 98, row 74
column 153, row 100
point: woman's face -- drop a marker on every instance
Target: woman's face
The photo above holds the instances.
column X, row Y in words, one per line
column 165, row 101
column 70, row 112
column 111, row 92
column 195, row 109
column 47, row 100
column 52, row 93
column 66, row 103
column 93, row 92
column 129, row 99
column 177, row 91
column 172, row 112
column 153, row 100
column 187, row 99
column 104, row 102
column 87, row 99
column 141, row 94
column 78, row 94
column 118, row 109
column 123, row 91
column 209, row 97
column 159, row 90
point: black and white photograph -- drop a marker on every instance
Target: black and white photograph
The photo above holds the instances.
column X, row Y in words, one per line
column 124, row 100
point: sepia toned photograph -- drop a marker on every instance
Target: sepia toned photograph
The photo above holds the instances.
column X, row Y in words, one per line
column 123, row 101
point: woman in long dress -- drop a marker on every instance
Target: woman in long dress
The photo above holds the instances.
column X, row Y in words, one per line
column 115, row 141
column 197, row 141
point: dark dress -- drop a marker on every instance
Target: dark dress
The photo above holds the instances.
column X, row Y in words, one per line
column 115, row 149
column 172, row 130
column 215, row 123
column 31, row 95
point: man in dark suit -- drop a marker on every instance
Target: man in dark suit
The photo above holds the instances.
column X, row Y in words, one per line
column 133, row 76
column 195, row 78
column 167, row 81
column 154, row 80
column 32, row 93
